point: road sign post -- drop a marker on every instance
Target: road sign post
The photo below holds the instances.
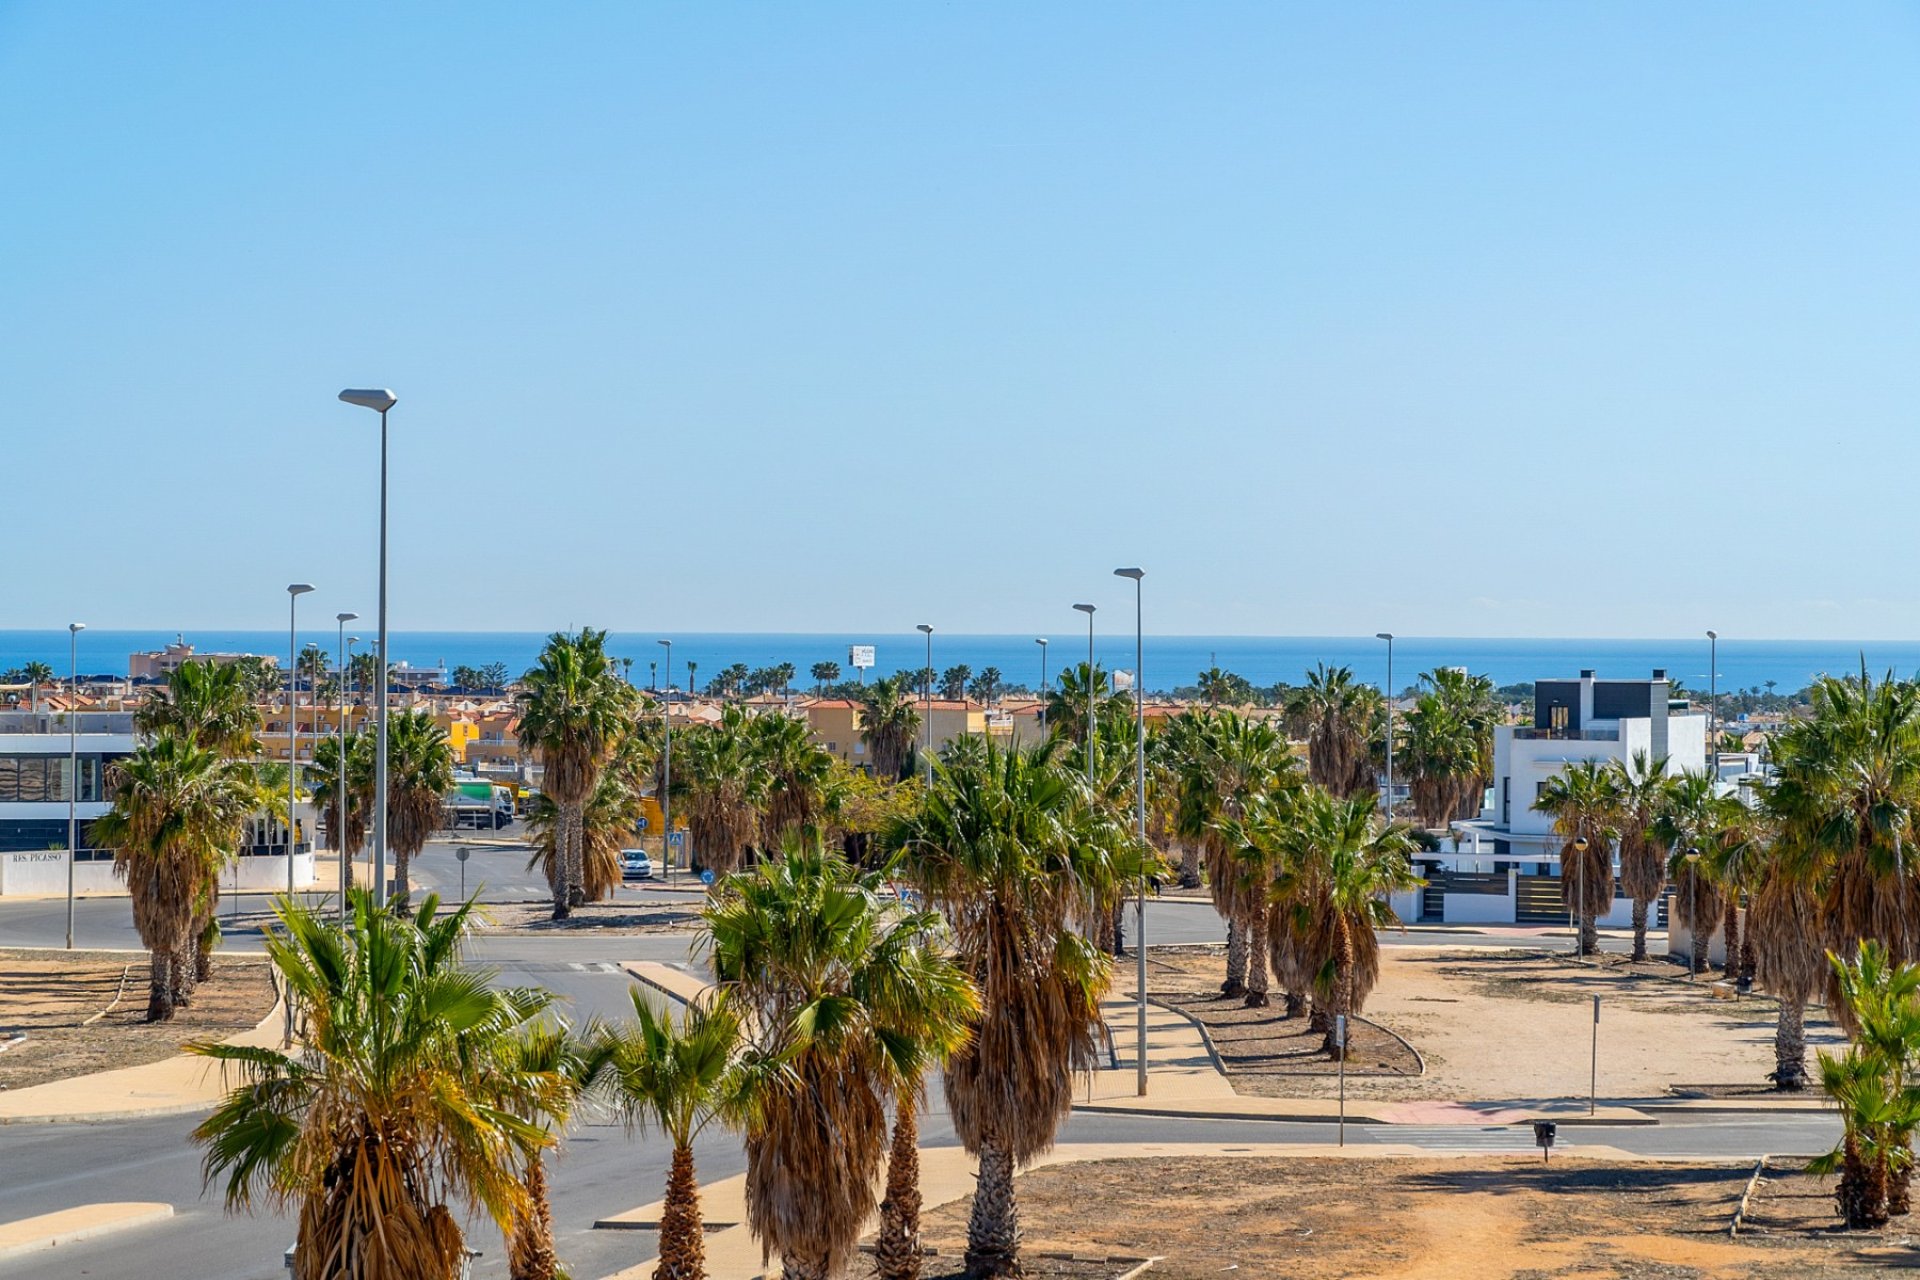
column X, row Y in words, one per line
column 461, row 855
column 1340, row 1040
column 1593, row 1073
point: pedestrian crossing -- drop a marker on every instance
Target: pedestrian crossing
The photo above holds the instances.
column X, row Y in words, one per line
column 1461, row 1137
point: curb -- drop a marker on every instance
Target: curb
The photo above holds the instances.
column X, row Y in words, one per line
column 1168, row 1113
column 137, row 1214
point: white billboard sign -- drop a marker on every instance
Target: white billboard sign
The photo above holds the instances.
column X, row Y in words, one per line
column 860, row 657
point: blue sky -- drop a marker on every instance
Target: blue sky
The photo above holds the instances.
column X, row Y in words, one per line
column 1499, row 319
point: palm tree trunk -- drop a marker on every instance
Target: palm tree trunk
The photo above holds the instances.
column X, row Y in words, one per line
column 160, row 985
column 1639, row 929
column 1236, row 983
column 1701, row 939
column 1748, row 959
column 1257, row 967
column 683, row 1245
column 993, row 1231
column 1190, row 864
column 180, row 974
column 1790, row 1047
column 1343, row 961
column 1589, row 934
column 402, row 889
column 794, row 1267
column 577, row 856
column 562, row 903
column 897, row 1252
column 1730, row 924
column 530, row 1253
column 1120, row 926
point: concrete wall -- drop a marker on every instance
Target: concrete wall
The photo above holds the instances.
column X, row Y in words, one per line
column 44, row 873
column 1680, row 940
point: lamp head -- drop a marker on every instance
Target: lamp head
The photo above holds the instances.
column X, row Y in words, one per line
column 299, row 588
column 1580, row 845
column 1384, row 635
column 1135, row 574
column 1041, row 641
column 1085, row 608
column 667, row 643
column 1713, row 635
column 923, row 627
column 345, row 617
column 76, row 626
column 352, row 641
column 378, row 399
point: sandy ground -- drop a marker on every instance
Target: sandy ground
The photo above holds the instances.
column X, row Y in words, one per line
column 50, row 999
column 1504, row 1218
column 1508, row 1024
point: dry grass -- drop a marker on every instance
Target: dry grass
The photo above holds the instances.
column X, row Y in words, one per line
column 51, row 998
column 1507, row 1218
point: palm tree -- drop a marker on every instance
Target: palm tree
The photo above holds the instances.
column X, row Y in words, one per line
column 401, row 1099
column 1015, row 854
column 1342, row 718
column 987, row 685
column 419, row 775
column 832, row 971
column 214, row 705
column 824, row 674
column 1643, row 786
column 683, row 1075
column 720, row 774
column 889, row 722
column 1584, row 805
column 573, row 711
column 178, row 811
column 1439, row 755
column 1785, row 927
column 550, row 1050
column 1847, row 791
column 1688, row 825
column 953, row 681
column 1067, row 705
column 1340, row 864
column 344, row 816
column 799, row 773
column 607, row 823
column 1873, row 1086
column 1230, row 760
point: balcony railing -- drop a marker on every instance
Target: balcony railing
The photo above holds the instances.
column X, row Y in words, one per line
column 1566, row 735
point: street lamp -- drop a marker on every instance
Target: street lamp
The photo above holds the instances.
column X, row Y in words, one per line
column 1713, row 703
column 1693, row 914
column 294, row 591
column 1388, row 637
column 379, row 400
column 1089, row 610
column 666, row 756
column 927, row 630
column 1140, row 815
column 340, row 784
column 1042, row 642
column 1580, row 897
column 73, row 766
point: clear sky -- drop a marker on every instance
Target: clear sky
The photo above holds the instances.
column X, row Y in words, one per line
column 1497, row 319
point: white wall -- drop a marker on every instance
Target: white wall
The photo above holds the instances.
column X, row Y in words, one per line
column 1680, row 940
column 44, row 873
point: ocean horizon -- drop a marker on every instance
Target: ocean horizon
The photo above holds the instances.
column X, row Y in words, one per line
column 1171, row 661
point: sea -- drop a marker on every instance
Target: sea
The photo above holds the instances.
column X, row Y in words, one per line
column 1170, row 662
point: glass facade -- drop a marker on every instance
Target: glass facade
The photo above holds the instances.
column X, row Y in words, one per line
column 39, row 779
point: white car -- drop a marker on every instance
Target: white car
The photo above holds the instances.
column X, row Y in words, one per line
column 635, row 865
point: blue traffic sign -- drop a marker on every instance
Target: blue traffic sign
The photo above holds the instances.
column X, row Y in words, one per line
column 706, row 876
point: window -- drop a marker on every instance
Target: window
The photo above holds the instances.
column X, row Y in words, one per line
column 43, row 779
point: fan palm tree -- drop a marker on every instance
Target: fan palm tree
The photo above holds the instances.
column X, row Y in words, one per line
column 36, row 674
column 1874, row 1086
column 1019, row 859
column 1688, row 825
column 824, row 674
column 1439, row 755
column 607, row 823
column 1339, row 864
column 402, row 1097
column 889, row 722
column 719, row 773
column 214, row 705
column 833, row 972
column 419, row 775
column 1847, row 790
column 344, row 815
column 1643, row 786
column 681, row 1075
column 546, row 1050
column 1584, row 804
column 799, row 774
column 178, row 811
column 1342, row 718
column 1067, row 705
column 573, row 711
column 953, row 681
column 1785, row 927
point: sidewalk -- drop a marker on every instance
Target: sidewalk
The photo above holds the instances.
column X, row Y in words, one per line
column 82, row 1222
column 177, row 1085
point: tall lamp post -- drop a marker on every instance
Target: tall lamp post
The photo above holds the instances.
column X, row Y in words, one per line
column 1042, row 642
column 1693, row 901
column 1580, row 898
column 294, row 591
column 340, row 783
column 927, row 630
column 73, row 766
column 1388, row 637
column 1713, row 702
column 379, row 400
column 1140, row 817
column 666, row 756
column 1089, row 611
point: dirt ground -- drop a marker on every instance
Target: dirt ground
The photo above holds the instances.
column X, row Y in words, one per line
column 1501, row 1023
column 1501, row 1218
column 49, row 1000
column 666, row 916
column 1270, row 1056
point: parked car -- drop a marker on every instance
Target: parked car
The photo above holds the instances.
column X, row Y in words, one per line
column 635, row 865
